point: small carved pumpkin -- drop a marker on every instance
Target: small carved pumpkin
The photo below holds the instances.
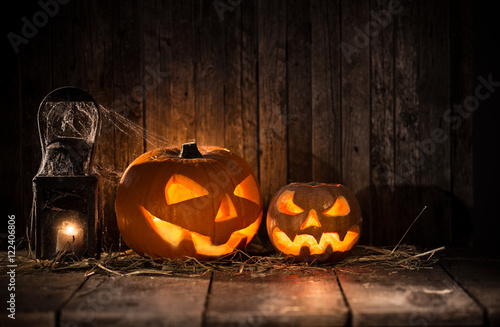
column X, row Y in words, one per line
column 173, row 203
column 314, row 222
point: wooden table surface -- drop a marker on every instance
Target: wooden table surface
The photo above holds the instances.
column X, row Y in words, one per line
column 462, row 289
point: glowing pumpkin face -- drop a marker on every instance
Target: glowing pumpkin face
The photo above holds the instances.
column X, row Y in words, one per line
column 314, row 222
column 199, row 204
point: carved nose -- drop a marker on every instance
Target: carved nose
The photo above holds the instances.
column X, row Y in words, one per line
column 226, row 210
column 311, row 220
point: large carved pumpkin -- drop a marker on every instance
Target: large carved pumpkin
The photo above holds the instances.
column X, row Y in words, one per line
column 314, row 222
column 174, row 202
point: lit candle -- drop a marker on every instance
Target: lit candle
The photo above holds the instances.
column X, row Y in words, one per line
column 69, row 238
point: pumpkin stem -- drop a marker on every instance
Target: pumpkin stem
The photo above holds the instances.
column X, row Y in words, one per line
column 190, row 151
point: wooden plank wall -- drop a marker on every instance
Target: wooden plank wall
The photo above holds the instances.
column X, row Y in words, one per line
column 304, row 90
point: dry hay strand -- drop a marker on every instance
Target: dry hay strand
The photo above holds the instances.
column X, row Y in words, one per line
column 406, row 256
column 129, row 263
column 257, row 259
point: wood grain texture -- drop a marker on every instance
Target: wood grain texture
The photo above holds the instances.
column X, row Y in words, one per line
column 356, row 105
column 138, row 301
column 84, row 60
column 98, row 80
column 108, row 81
column 129, row 80
column 35, row 78
column 299, row 118
column 462, row 290
column 461, row 142
column 233, row 120
column 272, row 82
column 326, row 91
column 381, row 125
column 241, row 111
column 388, row 296
column 110, row 70
column 11, row 195
column 272, row 97
column 209, row 74
column 478, row 274
column 127, row 83
column 434, row 140
column 182, row 120
column 294, row 299
column 406, row 117
column 158, row 53
column 69, row 33
column 169, row 45
column 249, row 84
column 40, row 296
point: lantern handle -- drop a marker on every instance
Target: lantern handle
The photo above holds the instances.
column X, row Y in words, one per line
column 55, row 123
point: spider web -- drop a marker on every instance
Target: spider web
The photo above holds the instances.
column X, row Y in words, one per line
column 133, row 139
column 68, row 131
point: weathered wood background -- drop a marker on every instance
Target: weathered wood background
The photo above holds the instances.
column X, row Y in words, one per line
column 270, row 81
column 463, row 289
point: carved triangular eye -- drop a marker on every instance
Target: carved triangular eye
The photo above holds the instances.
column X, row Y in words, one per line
column 248, row 189
column 339, row 208
column 181, row 188
column 285, row 204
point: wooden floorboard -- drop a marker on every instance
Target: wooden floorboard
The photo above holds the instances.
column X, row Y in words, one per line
column 480, row 276
column 389, row 296
column 38, row 297
column 463, row 289
column 283, row 299
column 138, row 301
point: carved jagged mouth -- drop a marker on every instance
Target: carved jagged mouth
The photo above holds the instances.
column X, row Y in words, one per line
column 285, row 245
column 174, row 235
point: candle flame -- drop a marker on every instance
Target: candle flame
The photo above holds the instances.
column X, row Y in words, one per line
column 69, row 229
